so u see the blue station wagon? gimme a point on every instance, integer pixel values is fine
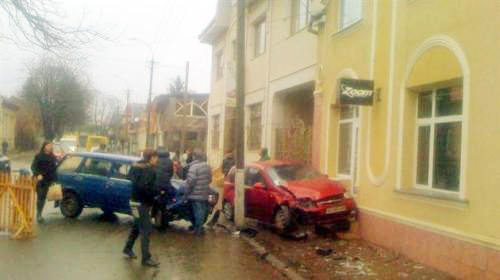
(95, 180)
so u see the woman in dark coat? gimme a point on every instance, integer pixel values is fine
(44, 169)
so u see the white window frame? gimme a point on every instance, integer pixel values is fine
(260, 38)
(295, 26)
(354, 120)
(341, 15)
(431, 122)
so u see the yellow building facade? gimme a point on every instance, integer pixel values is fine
(8, 122)
(280, 69)
(422, 160)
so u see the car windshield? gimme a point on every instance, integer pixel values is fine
(283, 173)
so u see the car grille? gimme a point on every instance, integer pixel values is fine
(331, 200)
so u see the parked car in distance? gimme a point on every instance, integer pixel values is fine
(59, 151)
(5, 164)
(285, 194)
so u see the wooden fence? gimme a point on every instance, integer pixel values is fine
(17, 205)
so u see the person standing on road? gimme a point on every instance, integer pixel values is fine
(264, 154)
(143, 177)
(198, 180)
(164, 173)
(44, 170)
(228, 162)
(5, 147)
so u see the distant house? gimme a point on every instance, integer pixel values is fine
(174, 114)
(8, 121)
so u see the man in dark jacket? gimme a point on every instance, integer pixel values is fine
(44, 168)
(164, 172)
(198, 180)
(143, 177)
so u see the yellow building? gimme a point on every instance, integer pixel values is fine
(422, 160)
(8, 122)
(279, 82)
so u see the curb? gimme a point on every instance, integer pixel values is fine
(266, 255)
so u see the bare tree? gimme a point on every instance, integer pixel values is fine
(103, 112)
(58, 95)
(42, 23)
(176, 86)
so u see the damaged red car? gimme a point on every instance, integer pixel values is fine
(285, 194)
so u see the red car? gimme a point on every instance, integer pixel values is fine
(287, 193)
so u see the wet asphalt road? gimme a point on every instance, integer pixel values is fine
(90, 248)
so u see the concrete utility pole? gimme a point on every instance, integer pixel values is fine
(183, 127)
(148, 126)
(240, 116)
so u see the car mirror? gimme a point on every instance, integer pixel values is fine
(259, 185)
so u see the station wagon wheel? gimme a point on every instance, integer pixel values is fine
(228, 211)
(71, 207)
(283, 220)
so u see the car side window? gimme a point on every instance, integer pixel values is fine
(70, 164)
(120, 171)
(99, 167)
(253, 176)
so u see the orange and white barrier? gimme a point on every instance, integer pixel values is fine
(17, 205)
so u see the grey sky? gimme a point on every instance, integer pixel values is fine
(171, 27)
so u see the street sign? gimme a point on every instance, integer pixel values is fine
(355, 92)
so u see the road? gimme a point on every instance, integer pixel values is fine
(90, 248)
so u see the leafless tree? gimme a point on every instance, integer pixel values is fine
(103, 112)
(59, 96)
(43, 23)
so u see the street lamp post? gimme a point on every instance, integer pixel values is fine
(127, 113)
(148, 128)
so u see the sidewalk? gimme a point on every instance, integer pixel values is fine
(350, 258)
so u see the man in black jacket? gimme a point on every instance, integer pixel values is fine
(165, 172)
(143, 177)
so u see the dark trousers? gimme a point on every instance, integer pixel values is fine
(143, 226)
(42, 188)
(200, 213)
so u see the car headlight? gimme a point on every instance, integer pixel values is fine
(347, 195)
(306, 203)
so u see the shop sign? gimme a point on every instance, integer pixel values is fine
(355, 92)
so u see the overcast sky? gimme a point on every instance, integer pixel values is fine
(170, 27)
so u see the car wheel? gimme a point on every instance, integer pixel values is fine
(228, 210)
(283, 220)
(71, 206)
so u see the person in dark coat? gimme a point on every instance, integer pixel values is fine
(164, 171)
(144, 190)
(44, 167)
(228, 162)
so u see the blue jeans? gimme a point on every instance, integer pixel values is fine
(200, 214)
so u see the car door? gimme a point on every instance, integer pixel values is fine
(119, 187)
(257, 199)
(95, 172)
(67, 173)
